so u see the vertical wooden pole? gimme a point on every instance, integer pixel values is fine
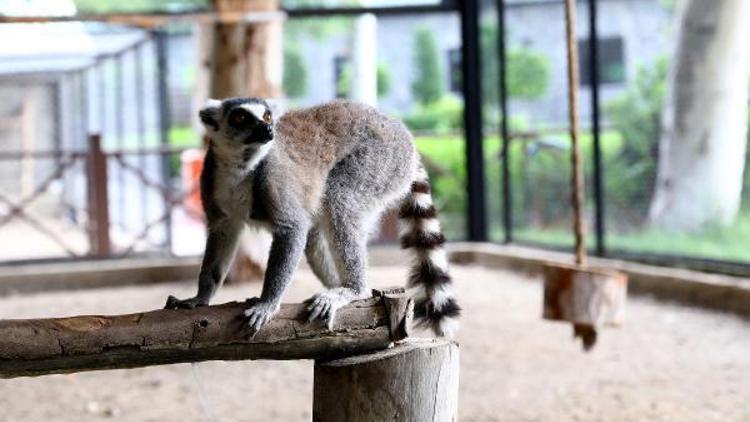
(243, 59)
(98, 199)
(413, 381)
(579, 229)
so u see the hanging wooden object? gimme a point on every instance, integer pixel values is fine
(590, 298)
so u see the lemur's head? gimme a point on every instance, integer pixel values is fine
(238, 122)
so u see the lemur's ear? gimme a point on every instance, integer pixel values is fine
(209, 114)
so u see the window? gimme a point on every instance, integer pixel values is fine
(611, 61)
(339, 66)
(454, 70)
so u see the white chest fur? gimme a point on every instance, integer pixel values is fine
(233, 181)
(233, 192)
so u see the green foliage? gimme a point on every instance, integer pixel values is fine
(527, 73)
(344, 84)
(714, 242)
(295, 72)
(441, 116)
(105, 6)
(746, 178)
(636, 114)
(428, 81)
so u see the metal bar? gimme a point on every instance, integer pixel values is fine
(504, 131)
(85, 109)
(690, 262)
(305, 12)
(598, 188)
(102, 101)
(164, 123)
(477, 217)
(36, 224)
(18, 208)
(120, 130)
(17, 155)
(21, 155)
(140, 110)
(155, 19)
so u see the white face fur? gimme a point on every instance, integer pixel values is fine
(258, 110)
(241, 129)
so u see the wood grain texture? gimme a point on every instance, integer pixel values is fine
(81, 343)
(413, 381)
(587, 296)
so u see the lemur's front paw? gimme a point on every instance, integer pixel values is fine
(259, 313)
(174, 303)
(325, 304)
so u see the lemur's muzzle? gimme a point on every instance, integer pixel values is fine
(261, 134)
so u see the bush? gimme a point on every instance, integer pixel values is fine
(344, 84)
(441, 116)
(295, 73)
(636, 114)
(746, 178)
(428, 82)
(527, 73)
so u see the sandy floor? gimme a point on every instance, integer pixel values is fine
(668, 363)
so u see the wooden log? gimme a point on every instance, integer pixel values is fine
(413, 381)
(81, 343)
(590, 298)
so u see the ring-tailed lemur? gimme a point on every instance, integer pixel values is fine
(319, 178)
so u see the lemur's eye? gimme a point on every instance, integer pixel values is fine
(267, 117)
(239, 118)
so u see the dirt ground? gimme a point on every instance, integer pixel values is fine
(668, 363)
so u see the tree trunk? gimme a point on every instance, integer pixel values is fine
(414, 381)
(242, 59)
(704, 121)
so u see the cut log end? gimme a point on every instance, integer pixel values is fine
(413, 381)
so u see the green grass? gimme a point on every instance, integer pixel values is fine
(183, 136)
(726, 243)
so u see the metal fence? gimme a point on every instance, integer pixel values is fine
(506, 200)
(106, 177)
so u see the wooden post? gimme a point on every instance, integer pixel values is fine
(413, 381)
(242, 58)
(83, 343)
(98, 198)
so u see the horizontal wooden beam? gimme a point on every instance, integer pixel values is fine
(154, 19)
(60, 345)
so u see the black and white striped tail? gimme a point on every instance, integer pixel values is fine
(435, 307)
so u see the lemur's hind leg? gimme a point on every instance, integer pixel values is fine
(349, 247)
(319, 256)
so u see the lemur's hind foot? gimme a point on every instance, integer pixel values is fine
(325, 304)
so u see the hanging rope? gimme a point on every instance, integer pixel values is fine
(576, 170)
(208, 415)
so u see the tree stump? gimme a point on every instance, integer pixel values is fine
(589, 298)
(413, 381)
